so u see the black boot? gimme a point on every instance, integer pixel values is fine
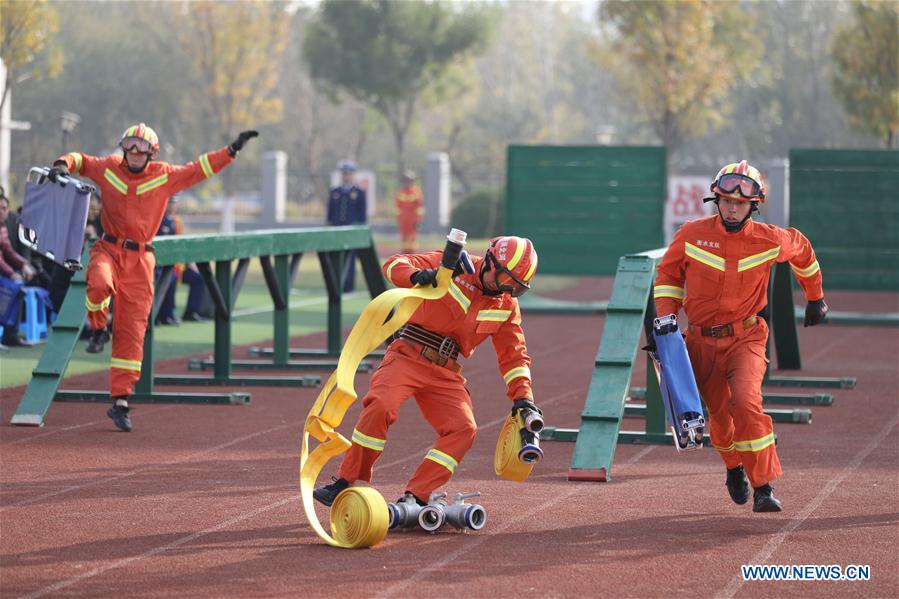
(120, 417)
(98, 339)
(328, 493)
(764, 500)
(737, 485)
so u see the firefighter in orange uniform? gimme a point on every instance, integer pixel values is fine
(718, 268)
(422, 361)
(410, 209)
(136, 191)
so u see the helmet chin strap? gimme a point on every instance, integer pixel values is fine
(485, 266)
(735, 227)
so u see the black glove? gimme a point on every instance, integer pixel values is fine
(58, 170)
(237, 145)
(815, 312)
(464, 264)
(530, 414)
(427, 276)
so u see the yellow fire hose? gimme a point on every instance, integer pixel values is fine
(359, 515)
(505, 459)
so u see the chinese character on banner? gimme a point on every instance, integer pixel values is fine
(685, 202)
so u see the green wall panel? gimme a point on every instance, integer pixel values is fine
(847, 203)
(585, 206)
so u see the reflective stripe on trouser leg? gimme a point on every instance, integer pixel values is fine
(134, 298)
(753, 429)
(446, 405)
(100, 283)
(387, 392)
(708, 367)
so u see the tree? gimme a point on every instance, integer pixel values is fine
(679, 60)
(236, 49)
(25, 29)
(865, 69)
(387, 54)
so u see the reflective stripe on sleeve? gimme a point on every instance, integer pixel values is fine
(92, 307)
(807, 271)
(494, 315)
(392, 264)
(668, 291)
(206, 166)
(517, 372)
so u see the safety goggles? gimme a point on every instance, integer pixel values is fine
(747, 187)
(506, 282)
(136, 144)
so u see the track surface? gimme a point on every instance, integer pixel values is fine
(203, 501)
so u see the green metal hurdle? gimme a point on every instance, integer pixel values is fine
(224, 284)
(629, 313)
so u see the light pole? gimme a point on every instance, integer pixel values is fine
(68, 122)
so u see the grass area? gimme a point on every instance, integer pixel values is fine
(252, 324)
(252, 317)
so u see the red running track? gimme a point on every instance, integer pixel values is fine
(203, 501)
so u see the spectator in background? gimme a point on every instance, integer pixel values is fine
(94, 228)
(171, 225)
(347, 206)
(410, 209)
(14, 267)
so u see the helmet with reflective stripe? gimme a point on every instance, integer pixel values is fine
(740, 181)
(142, 137)
(513, 256)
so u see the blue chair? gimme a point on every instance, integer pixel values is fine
(34, 325)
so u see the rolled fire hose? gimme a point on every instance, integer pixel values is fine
(359, 515)
(505, 459)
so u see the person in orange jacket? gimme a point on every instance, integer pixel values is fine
(718, 268)
(410, 210)
(422, 361)
(136, 190)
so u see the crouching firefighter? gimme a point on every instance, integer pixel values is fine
(718, 268)
(136, 190)
(422, 361)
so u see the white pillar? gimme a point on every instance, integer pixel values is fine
(437, 193)
(776, 209)
(274, 187)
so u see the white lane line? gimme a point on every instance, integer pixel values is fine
(117, 477)
(400, 589)
(773, 543)
(64, 429)
(298, 304)
(157, 550)
(178, 542)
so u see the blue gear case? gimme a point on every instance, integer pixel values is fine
(56, 233)
(680, 395)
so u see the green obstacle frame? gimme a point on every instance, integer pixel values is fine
(224, 284)
(629, 313)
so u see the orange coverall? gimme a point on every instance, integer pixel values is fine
(469, 317)
(409, 212)
(726, 277)
(133, 207)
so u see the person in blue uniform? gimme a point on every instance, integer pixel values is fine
(347, 206)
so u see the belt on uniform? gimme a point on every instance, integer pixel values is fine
(435, 348)
(727, 330)
(127, 243)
